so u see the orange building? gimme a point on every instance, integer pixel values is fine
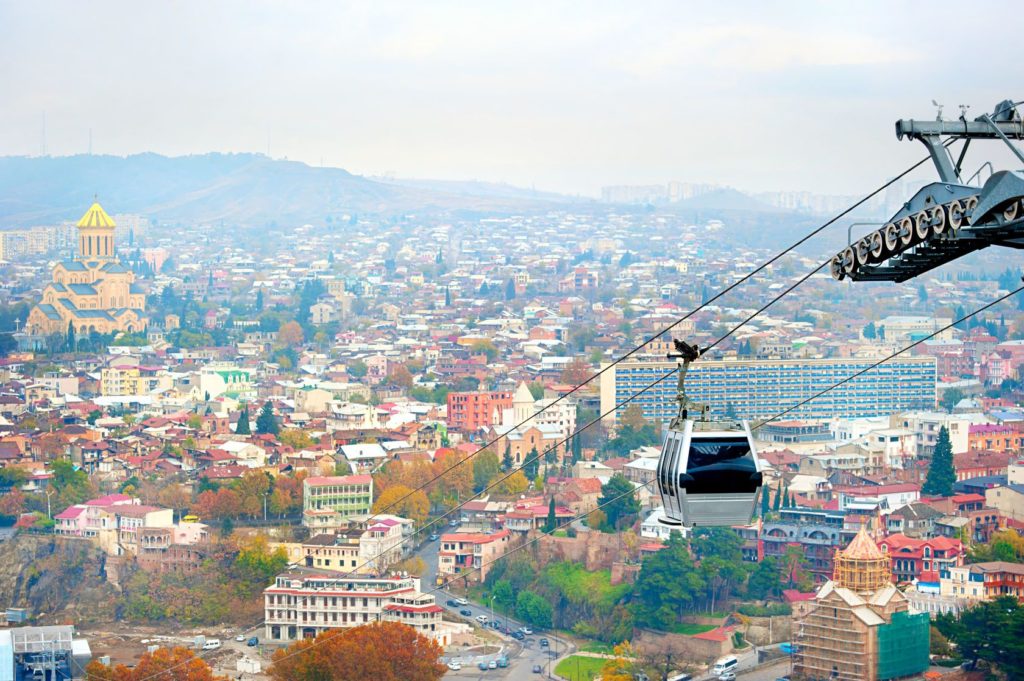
(470, 412)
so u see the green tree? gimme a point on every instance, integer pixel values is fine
(506, 460)
(764, 581)
(941, 474)
(765, 501)
(510, 290)
(667, 586)
(71, 346)
(259, 299)
(552, 521)
(266, 422)
(950, 398)
(618, 501)
(778, 498)
(989, 631)
(485, 467)
(534, 610)
(531, 464)
(504, 595)
(242, 427)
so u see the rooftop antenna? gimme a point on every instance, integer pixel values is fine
(938, 114)
(963, 111)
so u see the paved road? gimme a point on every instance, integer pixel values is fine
(523, 656)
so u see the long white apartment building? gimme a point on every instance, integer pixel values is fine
(302, 603)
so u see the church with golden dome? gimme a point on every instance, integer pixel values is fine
(93, 292)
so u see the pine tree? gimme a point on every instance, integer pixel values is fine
(506, 459)
(765, 501)
(266, 422)
(510, 290)
(941, 474)
(552, 522)
(447, 296)
(259, 300)
(71, 337)
(531, 464)
(242, 428)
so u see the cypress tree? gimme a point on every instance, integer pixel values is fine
(765, 501)
(577, 448)
(71, 337)
(510, 290)
(778, 498)
(447, 296)
(552, 522)
(506, 459)
(242, 427)
(941, 474)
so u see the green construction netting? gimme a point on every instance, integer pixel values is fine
(903, 645)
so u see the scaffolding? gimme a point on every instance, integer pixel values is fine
(862, 567)
(831, 646)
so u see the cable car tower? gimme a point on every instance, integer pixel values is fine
(949, 218)
(708, 472)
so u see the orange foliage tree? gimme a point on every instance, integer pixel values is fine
(165, 664)
(403, 501)
(290, 334)
(382, 651)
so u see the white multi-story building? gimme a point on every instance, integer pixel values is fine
(302, 603)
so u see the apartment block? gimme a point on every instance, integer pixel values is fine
(753, 389)
(334, 495)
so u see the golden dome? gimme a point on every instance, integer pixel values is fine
(96, 217)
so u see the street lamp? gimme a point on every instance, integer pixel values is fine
(49, 491)
(492, 607)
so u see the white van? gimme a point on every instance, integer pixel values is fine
(726, 664)
(211, 644)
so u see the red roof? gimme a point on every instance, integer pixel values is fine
(394, 607)
(719, 634)
(794, 596)
(340, 480)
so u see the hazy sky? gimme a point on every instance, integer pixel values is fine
(562, 96)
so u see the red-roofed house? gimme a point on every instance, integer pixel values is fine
(921, 559)
(470, 553)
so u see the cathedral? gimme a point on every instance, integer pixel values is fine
(92, 292)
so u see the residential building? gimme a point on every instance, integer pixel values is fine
(327, 496)
(761, 388)
(303, 603)
(470, 554)
(469, 412)
(1009, 499)
(983, 581)
(921, 559)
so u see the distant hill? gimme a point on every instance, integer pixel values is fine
(244, 189)
(725, 199)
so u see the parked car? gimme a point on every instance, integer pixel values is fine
(462, 601)
(435, 537)
(452, 603)
(482, 666)
(544, 643)
(482, 619)
(526, 630)
(211, 644)
(518, 635)
(253, 642)
(493, 664)
(727, 676)
(466, 612)
(454, 666)
(503, 662)
(537, 669)
(240, 638)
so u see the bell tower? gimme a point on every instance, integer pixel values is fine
(96, 235)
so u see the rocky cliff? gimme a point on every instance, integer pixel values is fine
(57, 579)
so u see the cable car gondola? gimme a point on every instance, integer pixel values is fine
(708, 473)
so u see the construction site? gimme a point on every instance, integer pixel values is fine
(859, 627)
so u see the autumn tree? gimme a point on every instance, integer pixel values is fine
(403, 501)
(400, 375)
(575, 372)
(296, 438)
(633, 417)
(382, 651)
(290, 334)
(512, 485)
(251, 488)
(165, 664)
(12, 503)
(623, 666)
(485, 467)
